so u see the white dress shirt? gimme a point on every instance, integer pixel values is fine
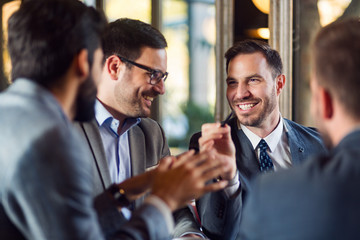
(277, 140)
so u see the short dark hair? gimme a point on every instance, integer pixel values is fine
(126, 37)
(336, 62)
(45, 36)
(272, 57)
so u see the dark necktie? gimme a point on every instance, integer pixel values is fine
(266, 164)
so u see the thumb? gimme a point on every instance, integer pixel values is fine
(165, 163)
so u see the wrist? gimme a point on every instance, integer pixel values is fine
(119, 196)
(234, 180)
(172, 205)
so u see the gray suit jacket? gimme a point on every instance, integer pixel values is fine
(147, 146)
(46, 181)
(318, 200)
(219, 214)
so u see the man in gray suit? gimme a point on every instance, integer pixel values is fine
(45, 179)
(256, 139)
(122, 139)
(320, 199)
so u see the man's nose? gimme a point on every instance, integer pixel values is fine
(242, 91)
(159, 87)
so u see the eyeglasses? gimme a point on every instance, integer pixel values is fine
(155, 75)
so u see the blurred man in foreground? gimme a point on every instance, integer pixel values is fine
(320, 199)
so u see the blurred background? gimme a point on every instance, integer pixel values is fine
(198, 33)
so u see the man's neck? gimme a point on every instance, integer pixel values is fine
(116, 114)
(267, 126)
(341, 125)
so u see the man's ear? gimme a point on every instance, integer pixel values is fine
(326, 103)
(113, 66)
(83, 67)
(280, 83)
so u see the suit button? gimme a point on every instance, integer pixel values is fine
(301, 149)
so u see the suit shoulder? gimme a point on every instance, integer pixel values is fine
(150, 125)
(303, 130)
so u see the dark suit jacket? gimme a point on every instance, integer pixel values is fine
(219, 222)
(46, 181)
(318, 200)
(147, 146)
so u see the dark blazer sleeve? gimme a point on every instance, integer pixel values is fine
(218, 213)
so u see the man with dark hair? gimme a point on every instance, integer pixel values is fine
(319, 200)
(122, 139)
(257, 139)
(45, 179)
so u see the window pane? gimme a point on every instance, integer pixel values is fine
(189, 27)
(115, 9)
(7, 10)
(310, 16)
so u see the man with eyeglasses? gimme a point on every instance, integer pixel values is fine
(123, 141)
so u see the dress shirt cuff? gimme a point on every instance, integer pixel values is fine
(164, 209)
(195, 233)
(233, 186)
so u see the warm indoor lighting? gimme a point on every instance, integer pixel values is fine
(262, 5)
(7, 10)
(263, 33)
(329, 11)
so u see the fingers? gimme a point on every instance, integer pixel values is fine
(212, 131)
(182, 158)
(166, 163)
(216, 186)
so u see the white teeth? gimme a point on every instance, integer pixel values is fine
(149, 98)
(246, 106)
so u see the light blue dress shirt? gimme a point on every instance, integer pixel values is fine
(116, 145)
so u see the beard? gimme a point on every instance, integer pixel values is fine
(85, 101)
(251, 120)
(130, 98)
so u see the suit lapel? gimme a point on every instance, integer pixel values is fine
(297, 145)
(137, 151)
(137, 155)
(92, 134)
(246, 160)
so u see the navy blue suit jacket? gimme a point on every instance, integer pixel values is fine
(318, 200)
(220, 216)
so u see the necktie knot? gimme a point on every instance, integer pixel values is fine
(263, 145)
(265, 160)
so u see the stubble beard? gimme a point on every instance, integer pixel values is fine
(250, 120)
(85, 101)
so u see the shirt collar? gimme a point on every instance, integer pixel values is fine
(272, 139)
(101, 114)
(103, 117)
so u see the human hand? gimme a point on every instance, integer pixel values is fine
(178, 180)
(217, 140)
(137, 186)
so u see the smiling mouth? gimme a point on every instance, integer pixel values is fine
(149, 98)
(246, 106)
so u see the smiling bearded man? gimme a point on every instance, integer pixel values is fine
(123, 141)
(261, 140)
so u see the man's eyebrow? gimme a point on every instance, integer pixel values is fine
(229, 79)
(254, 76)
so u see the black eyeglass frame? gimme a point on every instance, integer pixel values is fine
(153, 78)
